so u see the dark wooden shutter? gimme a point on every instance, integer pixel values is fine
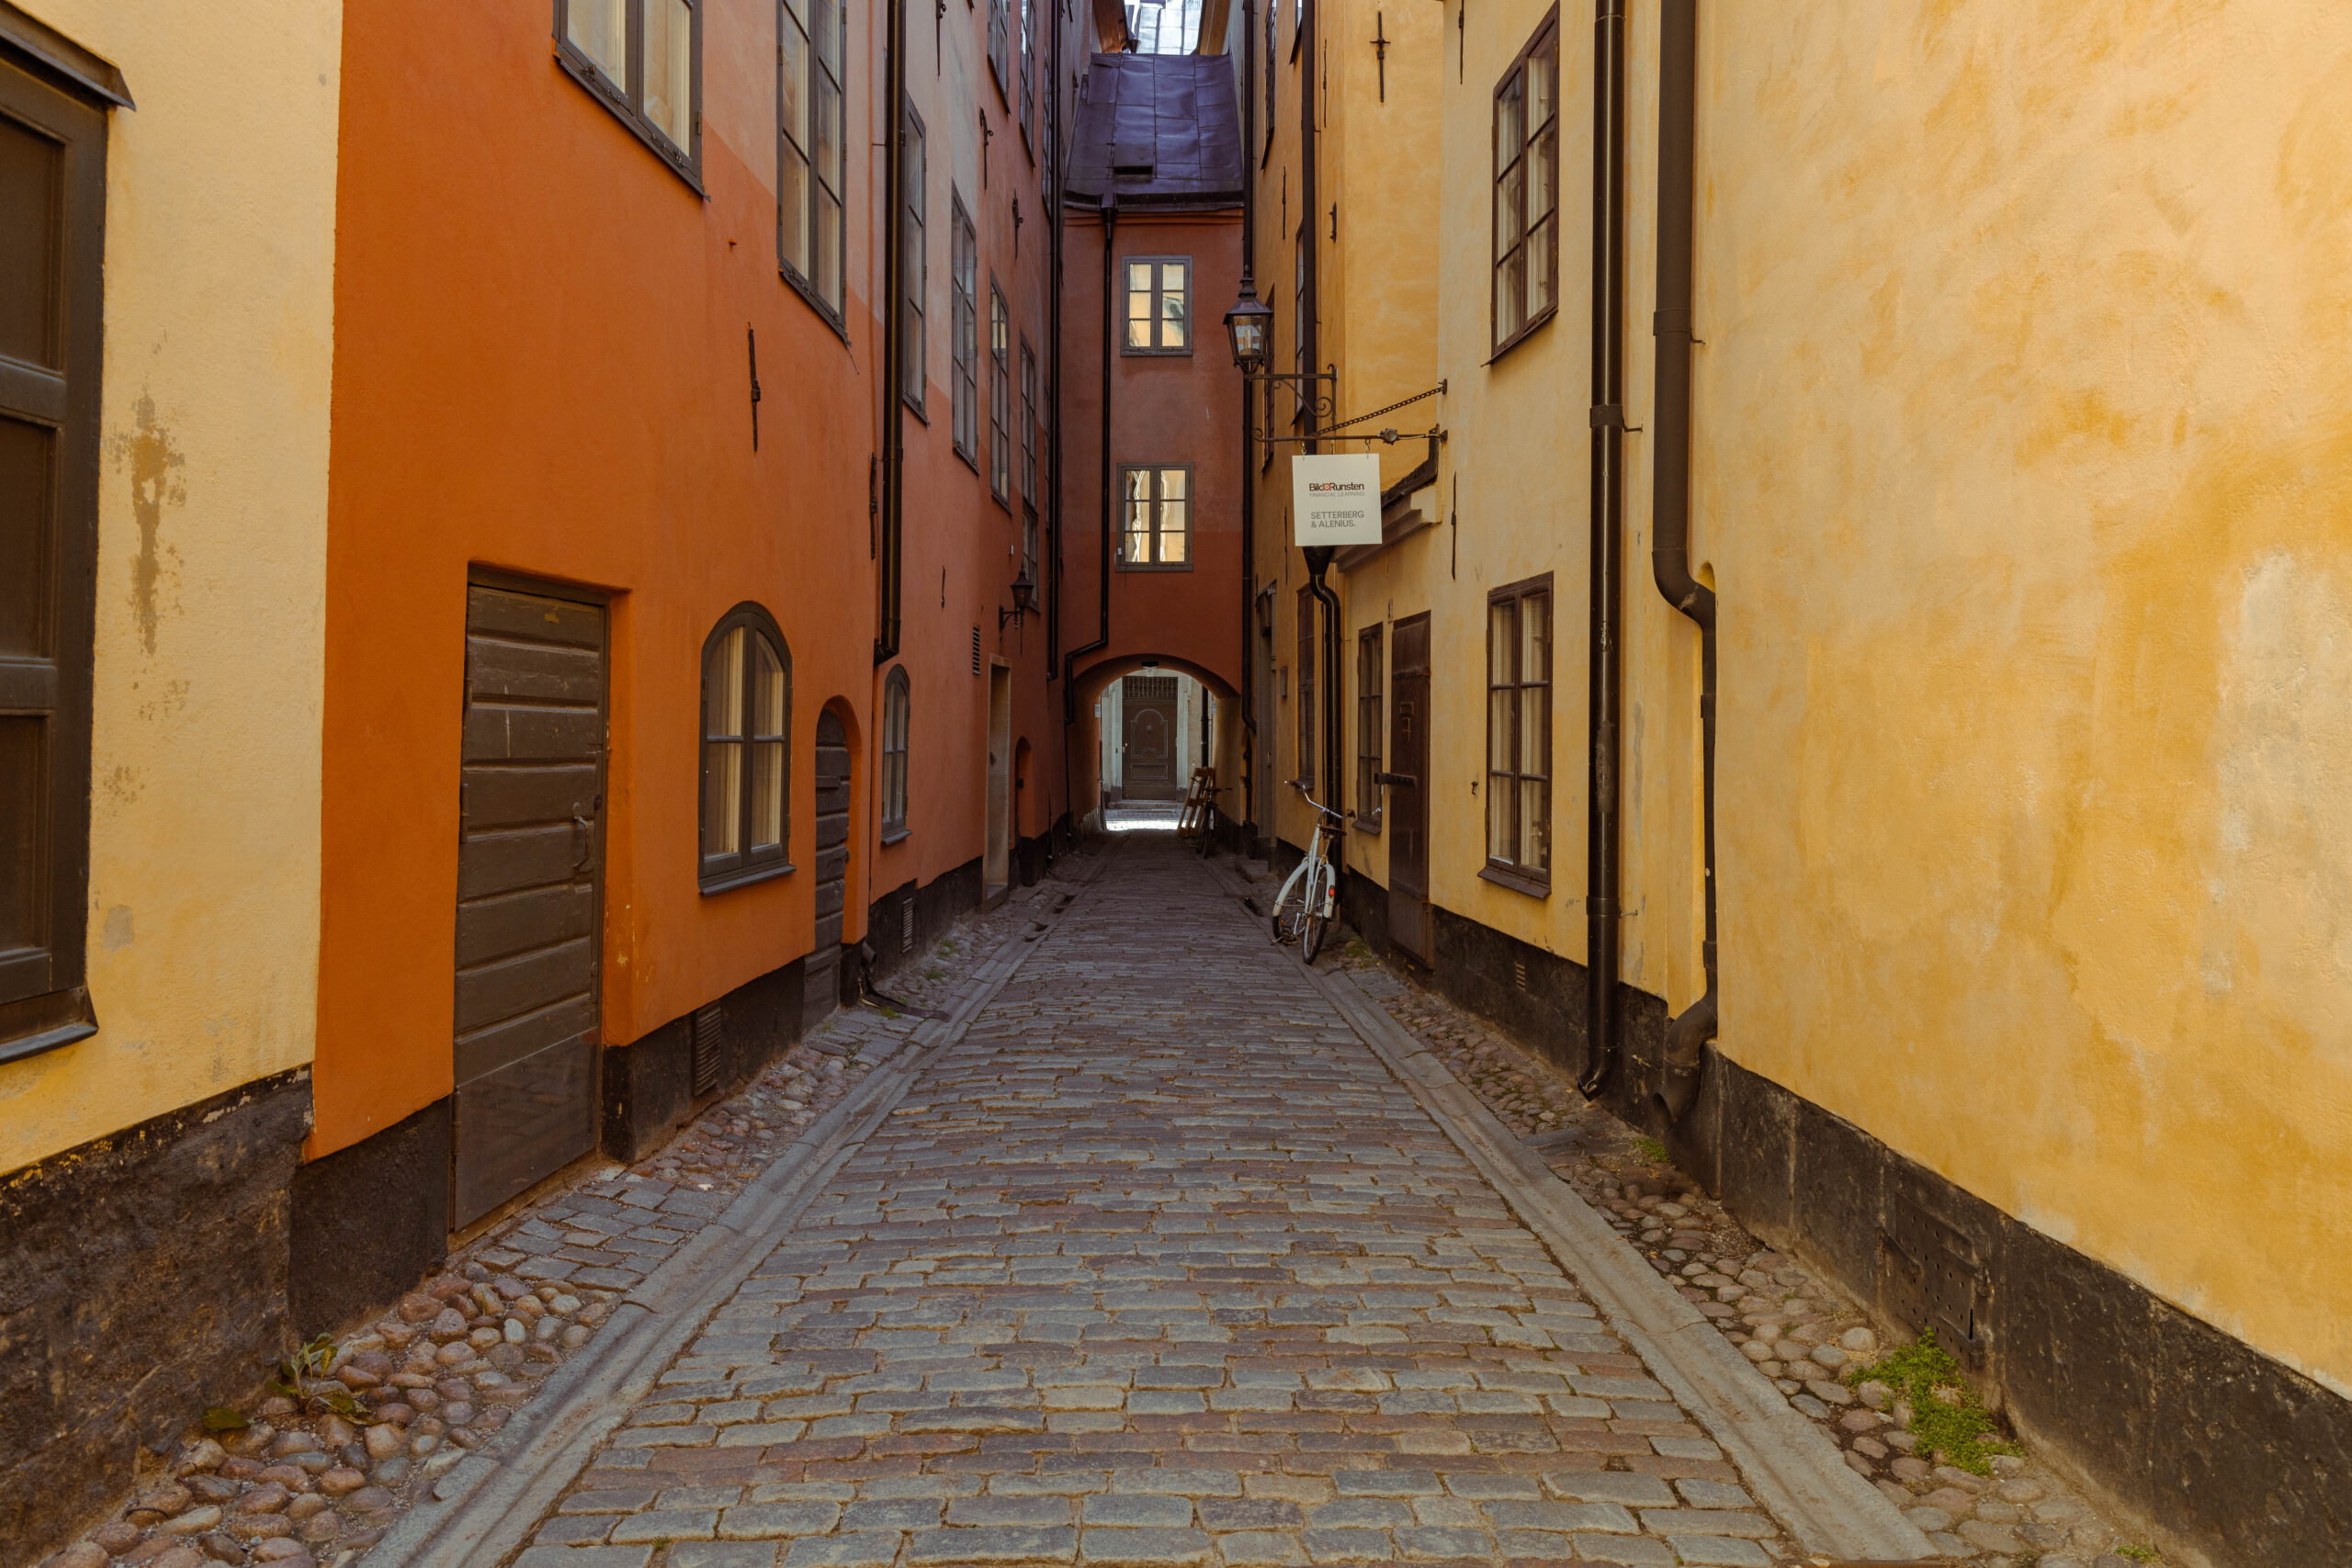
(52, 214)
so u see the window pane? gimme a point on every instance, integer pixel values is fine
(1140, 305)
(722, 816)
(793, 237)
(1534, 824)
(669, 68)
(1535, 637)
(1135, 541)
(1535, 731)
(1510, 294)
(1171, 483)
(1502, 643)
(829, 249)
(1543, 84)
(1498, 730)
(599, 30)
(1510, 130)
(828, 37)
(792, 108)
(1543, 176)
(1501, 816)
(767, 689)
(32, 180)
(723, 687)
(767, 795)
(1535, 268)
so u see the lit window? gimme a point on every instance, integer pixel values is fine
(1156, 530)
(1159, 312)
(747, 714)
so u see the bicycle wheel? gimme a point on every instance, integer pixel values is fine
(1316, 924)
(1208, 829)
(1289, 917)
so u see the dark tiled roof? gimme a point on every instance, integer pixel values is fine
(1159, 130)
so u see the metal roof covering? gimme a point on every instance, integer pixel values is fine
(1157, 131)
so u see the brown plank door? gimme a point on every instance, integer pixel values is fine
(1148, 768)
(530, 863)
(825, 979)
(1408, 809)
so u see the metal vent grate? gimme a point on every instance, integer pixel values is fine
(906, 926)
(976, 650)
(706, 1048)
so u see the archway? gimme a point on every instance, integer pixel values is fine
(1146, 723)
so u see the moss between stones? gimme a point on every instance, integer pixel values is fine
(1961, 1429)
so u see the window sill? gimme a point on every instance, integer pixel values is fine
(1003, 499)
(1155, 566)
(918, 407)
(1526, 330)
(1518, 881)
(970, 460)
(744, 878)
(896, 836)
(1364, 823)
(37, 1025)
(816, 301)
(581, 69)
(1127, 353)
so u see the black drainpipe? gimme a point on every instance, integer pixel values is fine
(1055, 153)
(1677, 116)
(1110, 349)
(1608, 505)
(1245, 799)
(1318, 558)
(894, 443)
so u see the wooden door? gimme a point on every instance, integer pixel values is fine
(821, 988)
(530, 859)
(1149, 759)
(1408, 809)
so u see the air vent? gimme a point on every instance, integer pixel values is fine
(906, 926)
(1519, 973)
(976, 650)
(1131, 171)
(706, 1048)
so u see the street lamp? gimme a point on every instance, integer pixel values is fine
(1024, 599)
(1250, 326)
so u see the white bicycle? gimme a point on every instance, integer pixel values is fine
(1303, 909)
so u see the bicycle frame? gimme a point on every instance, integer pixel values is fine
(1326, 828)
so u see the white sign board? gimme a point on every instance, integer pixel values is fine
(1335, 499)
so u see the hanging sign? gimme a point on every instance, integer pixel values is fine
(1335, 498)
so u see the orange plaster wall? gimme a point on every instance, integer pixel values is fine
(541, 367)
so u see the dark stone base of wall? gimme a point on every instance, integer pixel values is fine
(144, 1278)
(368, 1221)
(2220, 1449)
(909, 919)
(648, 1084)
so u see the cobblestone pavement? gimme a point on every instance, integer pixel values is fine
(1157, 1265)
(1797, 1329)
(317, 1473)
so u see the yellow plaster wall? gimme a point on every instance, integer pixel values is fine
(2024, 436)
(220, 250)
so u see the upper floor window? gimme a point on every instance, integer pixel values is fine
(809, 151)
(643, 61)
(1000, 396)
(914, 266)
(1159, 305)
(52, 216)
(1526, 193)
(1029, 9)
(1001, 46)
(895, 702)
(1157, 528)
(1029, 425)
(746, 746)
(964, 380)
(1518, 733)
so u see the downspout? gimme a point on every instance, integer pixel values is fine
(1245, 798)
(894, 443)
(1102, 632)
(1608, 505)
(1686, 1036)
(1054, 170)
(1309, 328)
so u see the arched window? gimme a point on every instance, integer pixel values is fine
(894, 754)
(746, 748)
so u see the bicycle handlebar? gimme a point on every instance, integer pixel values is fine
(1310, 800)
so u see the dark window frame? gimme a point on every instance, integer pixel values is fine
(1372, 722)
(1029, 441)
(834, 312)
(962, 330)
(1516, 872)
(1028, 115)
(1156, 316)
(914, 267)
(1546, 32)
(1000, 395)
(1000, 51)
(60, 95)
(626, 100)
(1303, 690)
(1158, 501)
(745, 864)
(897, 704)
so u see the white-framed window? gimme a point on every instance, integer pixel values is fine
(1156, 524)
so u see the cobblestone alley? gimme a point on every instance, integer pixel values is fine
(1159, 1264)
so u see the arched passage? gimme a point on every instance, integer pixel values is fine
(1145, 723)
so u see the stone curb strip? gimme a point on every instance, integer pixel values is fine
(483, 1510)
(1796, 1471)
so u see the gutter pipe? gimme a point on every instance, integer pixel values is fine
(1604, 661)
(1687, 1035)
(1102, 633)
(1245, 798)
(894, 443)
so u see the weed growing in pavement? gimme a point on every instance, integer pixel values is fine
(1945, 1413)
(1651, 1150)
(2137, 1553)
